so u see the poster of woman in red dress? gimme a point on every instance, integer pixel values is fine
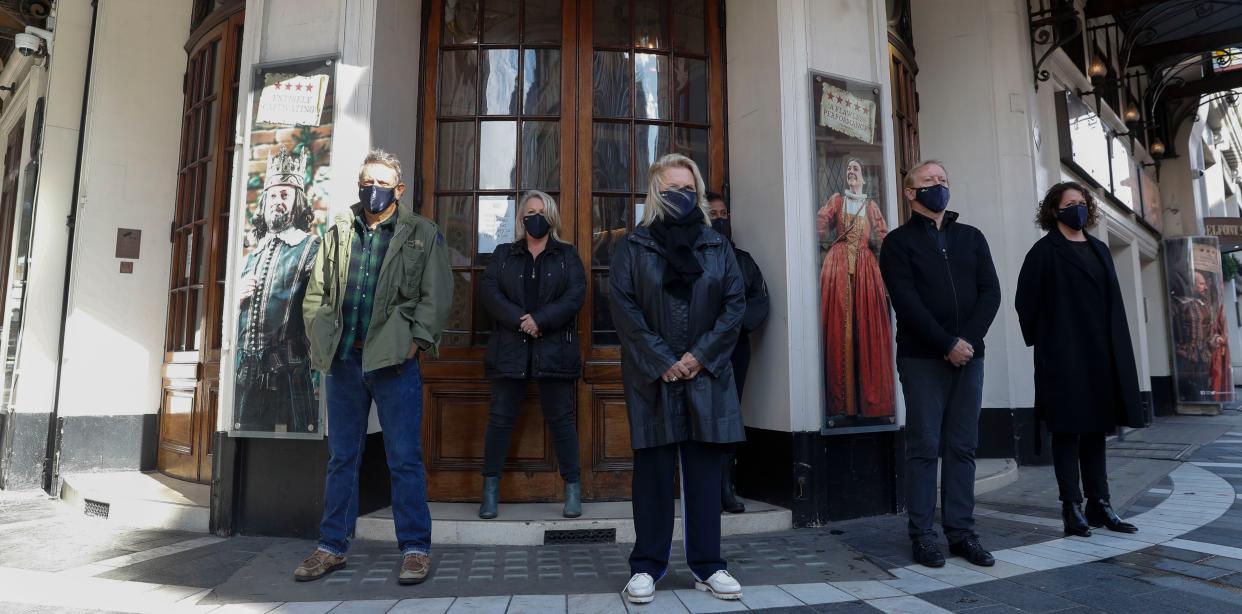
(854, 311)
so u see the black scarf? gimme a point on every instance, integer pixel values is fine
(677, 237)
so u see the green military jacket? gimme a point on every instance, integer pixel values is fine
(412, 296)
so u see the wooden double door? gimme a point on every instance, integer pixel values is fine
(577, 99)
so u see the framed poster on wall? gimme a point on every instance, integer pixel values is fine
(850, 167)
(1202, 371)
(275, 391)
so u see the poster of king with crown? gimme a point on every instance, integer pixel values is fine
(275, 391)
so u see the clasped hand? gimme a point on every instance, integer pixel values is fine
(686, 368)
(527, 325)
(961, 353)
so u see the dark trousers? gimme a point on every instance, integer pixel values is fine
(653, 494)
(1072, 452)
(942, 423)
(556, 398)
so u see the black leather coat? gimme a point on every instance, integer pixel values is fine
(656, 329)
(562, 290)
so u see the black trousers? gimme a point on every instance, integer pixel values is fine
(653, 494)
(1072, 452)
(556, 398)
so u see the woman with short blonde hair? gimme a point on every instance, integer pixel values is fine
(677, 299)
(533, 288)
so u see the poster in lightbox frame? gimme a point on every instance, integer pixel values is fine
(849, 221)
(1199, 330)
(276, 393)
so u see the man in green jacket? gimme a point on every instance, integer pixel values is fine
(379, 296)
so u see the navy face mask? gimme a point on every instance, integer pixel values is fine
(685, 202)
(721, 225)
(376, 198)
(935, 197)
(536, 225)
(1074, 216)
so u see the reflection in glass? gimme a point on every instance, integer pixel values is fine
(497, 155)
(692, 143)
(651, 86)
(459, 74)
(688, 27)
(543, 21)
(500, 76)
(651, 24)
(612, 82)
(610, 160)
(602, 330)
(453, 217)
(541, 154)
(459, 313)
(650, 142)
(461, 22)
(607, 227)
(500, 21)
(457, 156)
(541, 82)
(612, 23)
(690, 90)
(496, 219)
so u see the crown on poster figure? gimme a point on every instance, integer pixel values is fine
(286, 168)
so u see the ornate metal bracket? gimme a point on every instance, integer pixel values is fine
(1054, 23)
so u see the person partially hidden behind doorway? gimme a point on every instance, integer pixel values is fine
(756, 312)
(379, 297)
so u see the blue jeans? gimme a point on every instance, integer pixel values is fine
(942, 421)
(398, 395)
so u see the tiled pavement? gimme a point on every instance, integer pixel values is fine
(1187, 558)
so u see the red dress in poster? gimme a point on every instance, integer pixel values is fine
(854, 308)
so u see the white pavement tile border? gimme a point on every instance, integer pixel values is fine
(1197, 498)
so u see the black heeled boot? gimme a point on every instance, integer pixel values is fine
(728, 499)
(1075, 520)
(573, 500)
(1100, 514)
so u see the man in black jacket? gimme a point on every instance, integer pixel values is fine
(756, 313)
(943, 286)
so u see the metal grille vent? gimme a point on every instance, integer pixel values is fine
(99, 509)
(580, 536)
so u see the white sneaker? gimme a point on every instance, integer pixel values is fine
(640, 589)
(721, 585)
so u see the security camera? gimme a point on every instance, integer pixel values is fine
(34, 41)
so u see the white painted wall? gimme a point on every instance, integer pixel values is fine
(116, 322)
(35, 386)
(976, 90)
(771, 46)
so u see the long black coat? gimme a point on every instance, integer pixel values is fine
(650, 323)
(562, 290)
(1085, 377)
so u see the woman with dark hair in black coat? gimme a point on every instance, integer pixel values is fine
(1086, 383)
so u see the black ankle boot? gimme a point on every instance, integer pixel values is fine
(1101, 514)
(728, 499)
(488, 508)
(1075, 521)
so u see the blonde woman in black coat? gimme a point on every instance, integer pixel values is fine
(1086, 383)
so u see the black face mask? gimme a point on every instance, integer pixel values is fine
(1074, 216)
(722, 226)
(934, 197)
(536, 225)
(685, 202)
(376, 198)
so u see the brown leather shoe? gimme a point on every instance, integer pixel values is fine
(317, 566)
(414, 569)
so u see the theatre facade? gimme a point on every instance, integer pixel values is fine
(137, 354)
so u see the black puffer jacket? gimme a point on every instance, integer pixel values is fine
(656, 329)
(562, 290)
